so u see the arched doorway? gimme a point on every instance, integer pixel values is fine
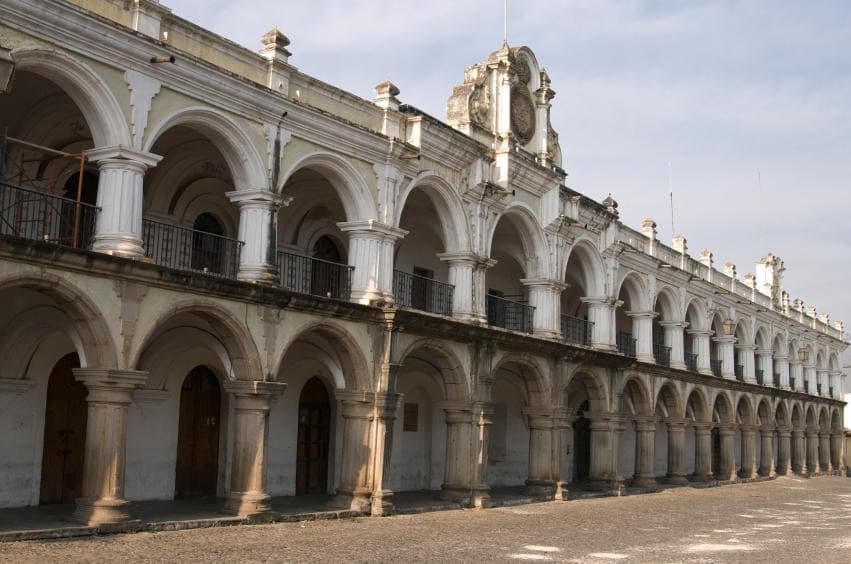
(716, 452)
(581, 444)
(198, 435)
(314, 423)
(64, 434)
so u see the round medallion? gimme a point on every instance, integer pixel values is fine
(522, 114)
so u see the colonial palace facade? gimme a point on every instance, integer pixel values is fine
(220, 276)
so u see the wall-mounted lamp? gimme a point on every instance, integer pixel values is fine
(803, 354)
(729, 327)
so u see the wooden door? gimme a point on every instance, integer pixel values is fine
(64, 434)
(198, 435)
(581, 449)
(314, 421)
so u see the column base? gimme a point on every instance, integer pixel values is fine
(481, 497)
(562, 492)
(540, 488)
(701, 477)
(546, 334)
(353, 501)
(367, 297)
(643, 482)
(381, 504)
(260, 274)
(250, 505)
(679, 365)
(455, 493)
(676, 479)
(119, 246)
(746, 474)
(94, 512)
(648, 358)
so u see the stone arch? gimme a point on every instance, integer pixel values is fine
(668, 397)
(744, 410)
(525, 370)
(811, 419)
(722, 409)
(697, 404)
(764, 413)
(667, 301)
(835, 421)
(586, 384)
(634, 285)
(449, 206)
(695, 314)
(334, 342)
(220, 330)
(347, 182)
(592, 271)
(637, 400)
(781, 415)
(230, 138)
(88, 91)
(89, 332)
(824, 419)
(833, 363)
(797, 418)
(532, 242)
(433, 354)
(761, 339)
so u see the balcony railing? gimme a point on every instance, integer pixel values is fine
(715, 366)
(691, 362)
(317, 277)
(806, 386)
(776, 380)
(190, 250)
(37, 216)
(818, 389)
(626, 344)
(830, 391)
(509, 314)
(422, 293)
(760, 375)
(662, 354)
(575, 330)
(740, 372)
(792, 383)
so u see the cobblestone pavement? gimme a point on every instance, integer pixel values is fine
(786, 520)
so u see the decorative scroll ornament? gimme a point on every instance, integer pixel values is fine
(522, 114)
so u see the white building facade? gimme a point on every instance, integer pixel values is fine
(223, 277)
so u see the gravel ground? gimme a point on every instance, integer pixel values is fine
(786, 520)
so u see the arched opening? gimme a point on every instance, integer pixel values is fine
(507, 297)
(629, 315)
(670, 449)
(583, 281)
(695, 331)
(508, 445)
(314, 433)
(581, 444)
(742, 348)
(799, 463)
(837, 435)
(585, 397)
(812, 442)
(716, 357)
(767, 441)
(64, 434)
(638, 438)
(780, 363)
(746, 447)
(723, 439)
(665, 323)
(199, 421)
(698, 461)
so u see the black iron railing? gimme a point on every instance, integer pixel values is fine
(830, 391)
(575, 330)
(662, 354)
(818, 389)
(715, 366)
(509, 314)
(626, 344)
(317, 277)
(740, 372)
(792, 383)
(776, 380)
(37, 216)
(760, 376)
(422, 293)
(190, 250)
(691, 362)
(806, 386)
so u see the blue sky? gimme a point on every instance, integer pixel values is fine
(728, 92)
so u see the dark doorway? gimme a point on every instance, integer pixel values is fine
(208, 250)
(64, 434)
(326, 278)
(314, 422)
(198, 435)
(420, 289)
(716, 452)
(581, 445)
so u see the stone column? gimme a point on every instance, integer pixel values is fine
(482, 422)
(645, 441)
(462, 267)
(700, 346)
(674, 334)
(561, 445)
(824, 452)
(540, 482)
(642, 329)
(602, 471)
(812, 452)
(458, 469)
(727, 355)
(258, 230)
(799, 459)
(358, 414)
(676, 452)
(796, 373)
(766, 364)
(110, 392)
(252, 402)
(781, 361)
(545, 297)
(748, 469)
(371, 247)
(822, 378)
(836, 452)
(702, 452)
(810, 378)
(386, 405)
(119, 223)
(746, 356)
(784, 452)
(727, 464)
(601, 312)
(766, 464)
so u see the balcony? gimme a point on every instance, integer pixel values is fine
(830, 392)
(691, 362)
(715, 366)
(419, 292)
(806, 386)
(316, 277)
(33, 215)
(740, 372)
(662, 354)
(760, 377)
(626, 344)
(189, 250)
(776, 380)
(577, 331)
(792, 383)
(818, 389)
(509, 314)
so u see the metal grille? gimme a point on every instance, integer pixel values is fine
(662, 354)
(575, 330)
(691, 362)
(792, 383)
(626, 344)
(760, 376)
(509, 314)
(317, 277)
(715, 366)
(37, 216)
(190, 250)
(740, 372)
(422, 293)
(776, 380)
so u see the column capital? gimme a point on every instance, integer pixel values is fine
(700, 332)
(538, 417)
(767, 429)
(676, 423)
(728, 339)
(702, 426)
(117, 153)
(642, 314)
(356, 405)
(673, 324)
(254, 394)
(747, 429)
(109, 385)
(601, 301)
(745, 347)
(557, 285)
(457, 412)
(258, 198)
(468, 258)
(644, 424)
(372, 229)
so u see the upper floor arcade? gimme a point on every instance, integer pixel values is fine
(235, 164)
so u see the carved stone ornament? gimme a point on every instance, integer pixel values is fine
(521, 68)
(522, 114)
(480, 104)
